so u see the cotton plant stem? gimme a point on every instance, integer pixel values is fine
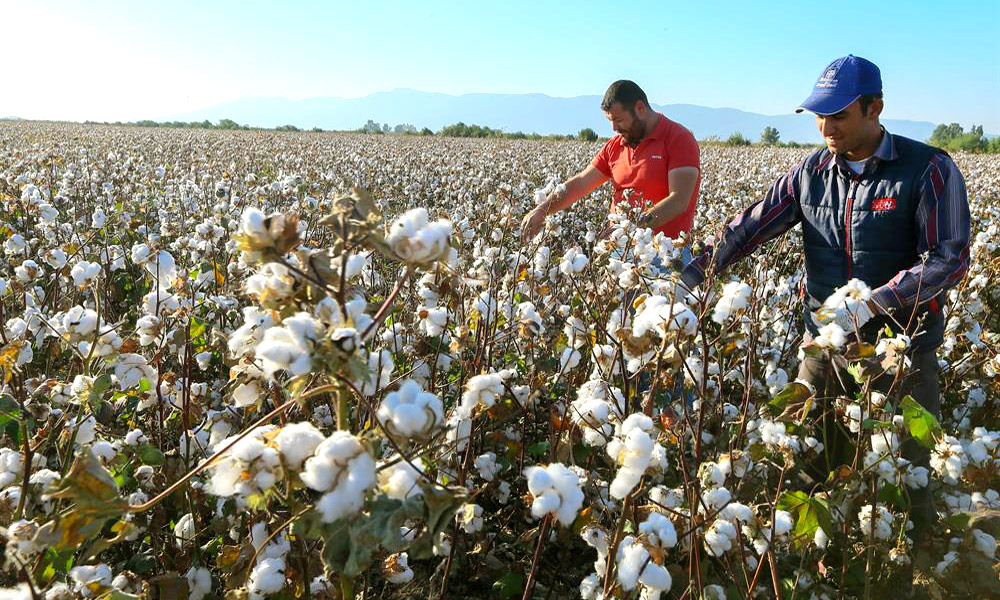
(543, 531)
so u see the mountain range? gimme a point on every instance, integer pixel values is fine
(530, 113)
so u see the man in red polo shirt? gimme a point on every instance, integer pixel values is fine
(653, 156)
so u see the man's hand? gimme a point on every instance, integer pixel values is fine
(533, 223)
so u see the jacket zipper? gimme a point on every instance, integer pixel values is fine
(847, 223)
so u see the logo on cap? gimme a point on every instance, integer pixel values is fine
(829, 79)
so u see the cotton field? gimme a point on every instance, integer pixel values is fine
(253, 365)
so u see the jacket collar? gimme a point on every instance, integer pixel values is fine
(886, 151)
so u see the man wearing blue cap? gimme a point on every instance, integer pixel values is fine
(887, 210)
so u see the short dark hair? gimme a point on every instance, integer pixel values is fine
(865, 100)
(624, 92)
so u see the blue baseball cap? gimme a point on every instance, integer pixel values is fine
(843, 81)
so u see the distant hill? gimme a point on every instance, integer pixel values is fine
(529, 113)
(11, 119)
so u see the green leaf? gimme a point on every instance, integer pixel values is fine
(922, 424)
(958, 521)
(145, 385)
(793, 393)
(811, 513)
(9, 410)
(102, 383)
(352, 544)
(875, 424)
(196, 328)
(893, 496)
(538, 448)
(510, 585)
(150, 455)
(792, 501)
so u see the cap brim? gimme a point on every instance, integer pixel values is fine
(826, 104)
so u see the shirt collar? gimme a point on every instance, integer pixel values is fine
(886, 151)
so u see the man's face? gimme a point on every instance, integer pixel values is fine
(846, 131)
(626, 123)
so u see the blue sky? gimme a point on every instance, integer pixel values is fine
(111, 60)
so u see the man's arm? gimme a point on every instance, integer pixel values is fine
(681, 181)
(943, 225)
(764, 220)
(577, 186)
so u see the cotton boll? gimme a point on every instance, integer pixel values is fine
(246, 394)
(635, 566)
(633, 452)
(396, 569)
(487, 466)
(399, 479)
(341, 467)
(735, 297)
(556, 491)
(414, 239)
(288, 347)
(410, 411)
(719, 537)
(985, 543)
(590, 588)
(831, 336)
(203, 359)
(782, 522)
(84, 273)
(267, 578)
(569, 360)
(297, 441)
(658, 530)
(481, 392)
(90, 580)
(875, 521)
(184, 530)
(470, 518)
(199, 583)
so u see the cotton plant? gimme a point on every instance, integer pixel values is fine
(445, 353)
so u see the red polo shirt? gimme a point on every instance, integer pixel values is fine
(645, 167)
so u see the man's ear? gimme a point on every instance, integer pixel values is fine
(875, 108)
(640, 109)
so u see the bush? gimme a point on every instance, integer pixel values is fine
(587, 134)
(737, 139)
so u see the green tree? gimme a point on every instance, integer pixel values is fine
(770, 136)
(954, 138)
(737, 139)
(587, 134)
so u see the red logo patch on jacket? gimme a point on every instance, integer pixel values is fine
(884, 204)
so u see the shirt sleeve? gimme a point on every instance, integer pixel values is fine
(944, 231)
(766, 219)
(682, 150)
(601, 162)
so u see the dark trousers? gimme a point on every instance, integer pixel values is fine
(921, 382)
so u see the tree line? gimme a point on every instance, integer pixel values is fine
(951, 137)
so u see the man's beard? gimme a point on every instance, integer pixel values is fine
(635, 134)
